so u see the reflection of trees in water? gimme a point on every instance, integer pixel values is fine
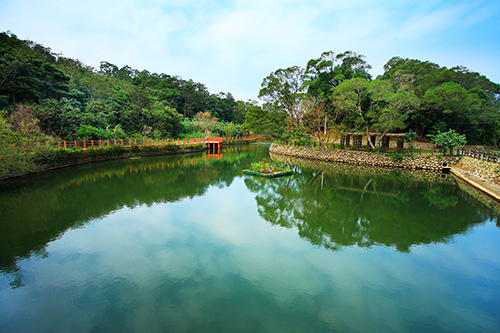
(439, 198)
(38, 210)
(334, 209)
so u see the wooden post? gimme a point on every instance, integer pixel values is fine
(84, 144)
(100, 142)
(107, 142)
(121, 142)
(58, 144)
(115, 142)
(130, 142)
(92, 143)
(75, 144)
(64, 143)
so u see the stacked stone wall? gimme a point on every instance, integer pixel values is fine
(487, 171)
(365, 158)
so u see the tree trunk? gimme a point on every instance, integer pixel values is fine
(368, 137)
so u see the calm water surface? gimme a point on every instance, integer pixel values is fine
(187, 244)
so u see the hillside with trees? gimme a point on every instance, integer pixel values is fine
(44, 95)
(335, 94)
(48, 97)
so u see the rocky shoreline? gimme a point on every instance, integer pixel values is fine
(365, 158)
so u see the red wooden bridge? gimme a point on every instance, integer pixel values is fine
(214, 143)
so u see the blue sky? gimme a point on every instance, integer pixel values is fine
(231, 45)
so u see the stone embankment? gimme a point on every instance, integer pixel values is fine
(364, 170)
(365, 158)
(483, 170)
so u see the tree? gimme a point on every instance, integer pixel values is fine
(28, 72)
(449, 140)
(330, 70)
(316, 119)
(351, 98)
(206, 122)
(451, 104)
(389, 109)
(284, 88)
(267, 120)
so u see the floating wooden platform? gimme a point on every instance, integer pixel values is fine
(274, 174)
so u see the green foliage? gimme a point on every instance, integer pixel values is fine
(15, 164)
(410, 136)
(396, 157)
(330, 70)
(411, 94)
(267, 120)
(74, 101)
(265, 166)
(284, 90)
(440, 199)
(88, 132)
(28, 72)
(50, 157)
(261, 166)
(449, 139)
(160, 148)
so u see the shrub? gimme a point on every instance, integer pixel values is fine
(396, 157)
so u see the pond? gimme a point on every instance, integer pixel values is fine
(187, 243)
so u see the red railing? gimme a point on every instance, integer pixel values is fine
(127, 143)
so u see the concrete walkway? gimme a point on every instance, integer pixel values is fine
(487, 188)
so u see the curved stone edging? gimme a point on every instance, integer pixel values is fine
(364, 158)
(364, 170)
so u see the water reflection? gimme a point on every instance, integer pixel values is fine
(177, 244)
(37, 210)
(337, 205)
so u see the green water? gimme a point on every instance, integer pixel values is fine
(188, 244)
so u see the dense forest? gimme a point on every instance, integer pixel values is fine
(335, 94)
(45, 96)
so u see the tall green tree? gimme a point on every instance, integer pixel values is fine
(351, 98)
(284, 88)
(268, 120)
(330, 70)
(389, 109)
